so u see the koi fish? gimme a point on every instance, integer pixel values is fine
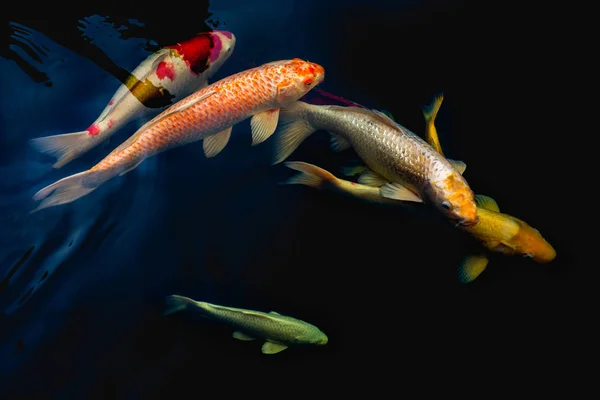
(208, 114)
(495, 231)
(278, 331)
(401, 164)
(162, 79)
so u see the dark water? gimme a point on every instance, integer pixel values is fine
(83, 284)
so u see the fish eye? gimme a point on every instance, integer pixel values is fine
(446, 205)
(308, 81)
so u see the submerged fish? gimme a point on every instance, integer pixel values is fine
(161, 80)
(399, 162)
(208, 114)
(495, 231)
(278, 331)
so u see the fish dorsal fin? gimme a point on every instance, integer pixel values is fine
(213, 144)
(396, 191)
(458, 165)
(371, 178)
(389, 114)
(471, 267)
(242, 336)
(338, 143)
(486, 202)
(274, 313)
(177, 107)
(385, 118)
(273, 348)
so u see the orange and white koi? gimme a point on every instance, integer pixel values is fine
(162, 79)
(208, 114)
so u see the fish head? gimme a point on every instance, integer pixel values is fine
(206, 52)
(223, 43)
(452, 195)
(529, 242)
(296, 78)
(322, 339)
(317, 337)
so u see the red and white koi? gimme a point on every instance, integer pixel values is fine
(162, 79)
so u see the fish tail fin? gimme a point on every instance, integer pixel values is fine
(430, 111)
(310, 175)
(175, 303)
(65, 147)
(292, 129)
(70, 188)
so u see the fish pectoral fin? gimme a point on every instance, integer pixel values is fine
(263, 124)
(242, 336)
(273, 348)
(458, 165)
(396, 191)
(130, 168)
(371, 178)
(486, 202)
(338, 143)
(471, 267)
(213, 144)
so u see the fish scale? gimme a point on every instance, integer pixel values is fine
(395, 153)
(256, 322)
(400, 163)
(212, 111)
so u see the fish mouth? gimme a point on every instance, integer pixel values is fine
(464, 222)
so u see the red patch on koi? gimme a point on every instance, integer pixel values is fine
(93, 130)
(165, 70)
(111, 123)
(110, 103)
(228, 35)
(195, 52)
